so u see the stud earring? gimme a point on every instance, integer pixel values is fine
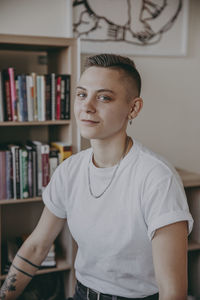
(130, 121)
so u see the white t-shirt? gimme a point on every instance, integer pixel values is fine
(114, 232)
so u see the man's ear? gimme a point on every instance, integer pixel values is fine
(136, 106)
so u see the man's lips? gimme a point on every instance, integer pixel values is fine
(89, 121)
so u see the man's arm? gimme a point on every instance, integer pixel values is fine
(170, 246)
(31, 255)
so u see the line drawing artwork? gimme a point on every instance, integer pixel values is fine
(134, 22)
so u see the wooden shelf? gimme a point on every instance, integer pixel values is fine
(192, 246)
(35, 123)
(63, 57)
(17, 201)
(189, 179)
(33, 43)
(61, 268)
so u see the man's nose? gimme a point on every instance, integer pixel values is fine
(89, 104)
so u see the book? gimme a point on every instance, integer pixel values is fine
(66, 106)
(37, 147)
(48, 106)
(9, 175)
(39, 98)
(1, 100)
(45, 165)
(14, 114)
(53, 160)
(53, 96)
(19, 116)
(63, 85)
(35, 109)
(22, 91)
(62, 98)
(7, 96)
(34, 97)
(2, 174)
(6, 190)
(43, 104)
(65, 150)
(30, 99)
(23, 160)
(15, 170)
(31, 167)
(58, 96)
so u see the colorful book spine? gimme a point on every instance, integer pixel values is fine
(23, 158)
(45, 165)
(13, 94)
(7, 96)
(65, 150)
(30, 100)
(35, 108)
(2, 175)
(19, 115)
(48, 97)
(39, 96)
(23, 97)
(34, 97)
(62, 99)
(67, 108)
(1, 100)
(53, 96)
(58, 97)
(30, 170)
(37, 146)
(43, 106)
(53, 160)
(15, 170)
(34, 174)
(9, 175)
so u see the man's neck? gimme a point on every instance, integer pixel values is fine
(108, 152)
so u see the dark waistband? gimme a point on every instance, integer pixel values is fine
(93, 295)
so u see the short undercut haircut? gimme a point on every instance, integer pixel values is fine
(117, 62)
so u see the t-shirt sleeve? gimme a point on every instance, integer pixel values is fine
(54, 194)
(165, 203)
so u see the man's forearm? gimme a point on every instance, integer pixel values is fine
(22, 270)
(13, 285)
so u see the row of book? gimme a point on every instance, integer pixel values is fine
(25, 170)
(34, 97)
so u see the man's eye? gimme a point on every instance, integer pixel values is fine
(81, 95)
(104, 98)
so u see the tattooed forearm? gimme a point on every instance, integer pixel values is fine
(8, 286)
(28, 261)
(23, 272)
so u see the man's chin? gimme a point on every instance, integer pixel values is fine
(88, 136)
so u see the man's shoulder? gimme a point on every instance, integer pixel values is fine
(154, 164)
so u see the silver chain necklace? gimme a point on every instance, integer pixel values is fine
(113, 175)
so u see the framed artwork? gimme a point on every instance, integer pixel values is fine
(131, 27)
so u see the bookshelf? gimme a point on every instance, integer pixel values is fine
(20, 216)
(191, 182)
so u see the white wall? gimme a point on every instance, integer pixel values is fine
(36, 17)
(169, 122)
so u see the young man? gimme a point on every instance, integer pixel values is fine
(125, 206)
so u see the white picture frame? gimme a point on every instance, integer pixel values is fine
(131, 27)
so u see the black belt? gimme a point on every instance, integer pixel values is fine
(93, 295)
